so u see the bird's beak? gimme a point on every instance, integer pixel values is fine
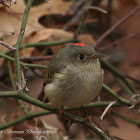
(95, 56)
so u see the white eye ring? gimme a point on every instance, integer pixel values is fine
(81, 56)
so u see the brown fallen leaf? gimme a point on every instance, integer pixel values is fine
(11, 20)
(22, 131)
(51, 34)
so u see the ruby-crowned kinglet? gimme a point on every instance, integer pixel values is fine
(74, 76)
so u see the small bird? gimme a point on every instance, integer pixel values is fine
(74, 76)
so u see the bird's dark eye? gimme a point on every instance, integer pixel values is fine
(81, 56)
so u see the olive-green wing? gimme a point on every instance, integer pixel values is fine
(53, 67)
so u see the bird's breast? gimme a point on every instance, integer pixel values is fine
(75, 86)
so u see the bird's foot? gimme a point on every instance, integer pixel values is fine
(89, 118)
(62, 111)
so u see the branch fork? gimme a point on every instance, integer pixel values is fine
(135, 103)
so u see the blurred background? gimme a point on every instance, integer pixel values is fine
(84, 21)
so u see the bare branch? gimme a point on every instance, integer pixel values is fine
(7, 46)
(122, 20)
(36, 58)
(107, 109)
(113, 44)
(97, 8)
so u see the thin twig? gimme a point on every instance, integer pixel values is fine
(20, 37)
(42, 105)
(97, 8)
(120, 99)
(52, 109)
(82, 22)
(122, 20)
(24, 81)
(125, 118)
(113, 44)
(12, 33)
(11, 76)
(25, 65)
(3, 118)
(124, 86)
(132, 78)
(135, 103)
(95, 104)
(7, 46)
(23, 84)
(38, 74)
(5, 86)
(74, 7)
(115, 72)
(108, 16)
(36, 58)
(107, 108)
(44, 44)
(77, 9)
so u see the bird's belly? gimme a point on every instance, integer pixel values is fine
(70, 99)
(76, 96)
(74, 90)
(84, 96)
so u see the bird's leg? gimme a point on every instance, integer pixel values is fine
(88, 117)
(62, 111)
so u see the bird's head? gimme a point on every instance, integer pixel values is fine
(81, 53)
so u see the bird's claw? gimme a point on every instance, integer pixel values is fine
(89, 118)
(62, 111)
